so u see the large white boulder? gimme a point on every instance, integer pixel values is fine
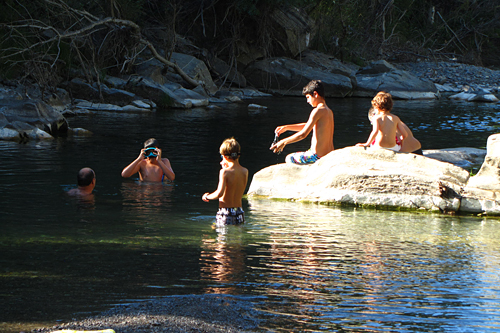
(373, 177)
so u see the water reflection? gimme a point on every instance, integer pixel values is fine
(222, 260)
(315, 268)
(147, 197)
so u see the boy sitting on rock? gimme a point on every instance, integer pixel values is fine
(385, 125)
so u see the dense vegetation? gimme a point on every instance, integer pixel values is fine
(351, 30)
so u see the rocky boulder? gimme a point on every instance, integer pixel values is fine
(287, 77)
(29, 119)
(473, 96)
(384, 179)
(293, 29)
(482, 193)
(372, 177)
(382, 76)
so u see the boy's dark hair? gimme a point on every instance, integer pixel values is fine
(230, 148)
(85, 176)
(151, 143)
(314, 86)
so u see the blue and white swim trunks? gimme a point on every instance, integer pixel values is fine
(302, 157)
(229, 216)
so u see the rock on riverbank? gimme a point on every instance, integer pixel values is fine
(176, 314)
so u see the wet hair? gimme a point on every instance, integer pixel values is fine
(230, 148)
(85, 176)
(151, 143)
(383, 101)
(314, 86)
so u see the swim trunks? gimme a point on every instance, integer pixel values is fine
(302, 157)
(395, 148)
(229, 216)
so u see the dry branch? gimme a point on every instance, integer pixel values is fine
(93, 24)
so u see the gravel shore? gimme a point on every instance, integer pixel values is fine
(193, 313)
(459, 76)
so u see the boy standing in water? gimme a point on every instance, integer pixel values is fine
(384, 125)
(320, 122)
(149, 164)
(232, 183)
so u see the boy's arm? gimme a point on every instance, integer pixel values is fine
(220, 188)
(372, 136)
(301, 133)
(290, 127)
(402, 130)
(164, 164)
(133, 167)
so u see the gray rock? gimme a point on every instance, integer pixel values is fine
(463, 157)
(158, 93)
(35, 114)
(293, 29)
(196, 69)
(228, 74)
(287, 77)
(480, 96)
(382, 76)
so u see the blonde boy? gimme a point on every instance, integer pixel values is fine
(385, 125)
(232, 184)
(149, 164)
(320, 122)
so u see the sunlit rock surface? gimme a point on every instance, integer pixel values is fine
(385, 179)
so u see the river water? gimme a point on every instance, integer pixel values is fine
(309, 267)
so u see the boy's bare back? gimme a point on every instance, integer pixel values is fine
(387, 127)
(234, 180)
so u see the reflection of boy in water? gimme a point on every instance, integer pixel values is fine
(86, 183)
(149, 164)
(232, 183)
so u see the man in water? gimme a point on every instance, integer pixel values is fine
(86, 183)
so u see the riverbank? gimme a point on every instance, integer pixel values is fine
(191, 313)
(460, 76)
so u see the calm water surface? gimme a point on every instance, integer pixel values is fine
(307, 267)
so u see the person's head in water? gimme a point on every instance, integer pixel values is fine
(230, 148)
(86, 182)
(86, 177)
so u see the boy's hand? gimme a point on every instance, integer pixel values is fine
(204, 197)
(158, 154)
(278, 147)
(141, 154)
(279, 130)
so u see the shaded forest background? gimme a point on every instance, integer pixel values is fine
(53, 36)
